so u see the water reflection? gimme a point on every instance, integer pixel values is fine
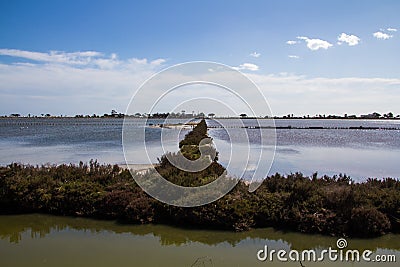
(13, 228)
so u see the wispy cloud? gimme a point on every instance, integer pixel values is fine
(291, 42)
(84, 59)
(61, 83)
(392, 29)
(293, 56)
(247, 66)
(75, 58)
(255, 54)
(350, 94)
(56, 88)
(381, 35)
(315, 44)
(349, 39)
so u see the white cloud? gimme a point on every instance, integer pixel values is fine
(86, 58)
(353, 95)
(293, 56)
(70, 83)
(247, 66)
(382, 35)
(350, 39)
(76, 58)
(315, 44)
(158, 62)
(255, 54)
(290, 42)
(392, 29)
(83, 89)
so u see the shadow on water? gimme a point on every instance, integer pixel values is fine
(14, 227)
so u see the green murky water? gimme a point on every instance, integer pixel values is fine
(43, 240)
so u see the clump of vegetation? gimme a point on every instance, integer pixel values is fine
(327, 205)
(190, 149)
(194, 137)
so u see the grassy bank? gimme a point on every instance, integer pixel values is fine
(326, 205)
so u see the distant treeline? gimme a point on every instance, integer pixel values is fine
(327, 205)
(183, 115)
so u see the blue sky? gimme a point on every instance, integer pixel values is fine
(120, 44)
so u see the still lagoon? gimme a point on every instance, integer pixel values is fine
(358, 153)
(44, 240)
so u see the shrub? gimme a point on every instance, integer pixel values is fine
(368, 221)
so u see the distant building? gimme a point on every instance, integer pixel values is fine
(371, 116)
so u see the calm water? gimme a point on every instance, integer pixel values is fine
(42, 240)
(358, 153)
